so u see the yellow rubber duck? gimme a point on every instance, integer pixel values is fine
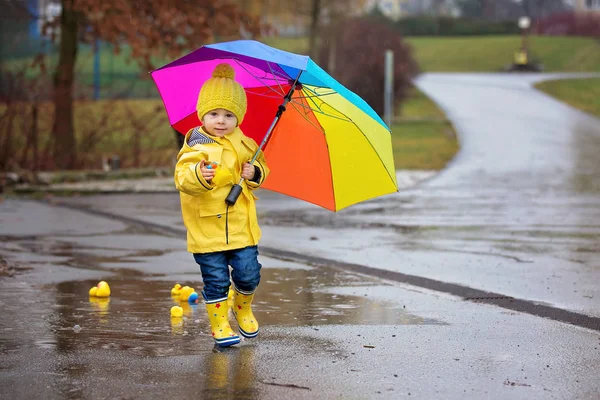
(100, 290)
(103, 289)
(185, 293)
(176, 290)
(176, 312)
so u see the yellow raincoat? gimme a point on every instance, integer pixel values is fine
(211, 225)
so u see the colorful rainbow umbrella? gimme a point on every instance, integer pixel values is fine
(323, 143)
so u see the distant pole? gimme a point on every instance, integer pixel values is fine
(524, 23)
(96, 69)
(388, 90)
(33, 7)
(314, 29)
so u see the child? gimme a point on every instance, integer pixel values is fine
(213, 158)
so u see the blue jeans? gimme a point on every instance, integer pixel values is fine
(215, 271)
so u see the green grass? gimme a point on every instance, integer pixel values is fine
(110, 62)
(422, 138)
(418, 106)
(298, 45)
(440, 54)
(486, 53)
(583, 94)
(423, 145)
(120, 76)
(492, 53)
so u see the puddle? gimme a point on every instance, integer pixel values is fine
(136, 317)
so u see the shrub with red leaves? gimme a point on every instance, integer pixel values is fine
(569, 24)
(359, 47)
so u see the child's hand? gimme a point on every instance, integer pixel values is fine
(248, 171)
(207, 173)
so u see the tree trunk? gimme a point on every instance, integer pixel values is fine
(63, 129)
(7, 145)
(314, 29)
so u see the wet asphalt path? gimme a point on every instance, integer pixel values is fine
(517, 213)
(325, 333)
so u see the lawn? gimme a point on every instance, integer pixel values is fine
(492, 53)
(487, 53)
(422, 138)
(580, 93)
(423, 145)
(439, 54)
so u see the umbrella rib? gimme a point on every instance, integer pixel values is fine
(267, 95)
(262, 79)
(275, 75)
(303, 114)
(312, 100)
(278, 84)
(317, 106)
(317, 94)
(318, 110)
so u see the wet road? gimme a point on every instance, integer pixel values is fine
(518, 213)
(325, 333)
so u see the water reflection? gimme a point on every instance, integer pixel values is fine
(137, 317)
(136, 322)
(229, 373)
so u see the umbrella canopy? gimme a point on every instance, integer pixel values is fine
(328, 148)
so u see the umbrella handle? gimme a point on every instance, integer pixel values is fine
(234, 193)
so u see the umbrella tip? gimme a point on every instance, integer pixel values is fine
(298, 84)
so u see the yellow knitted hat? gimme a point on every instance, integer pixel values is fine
(222, 91)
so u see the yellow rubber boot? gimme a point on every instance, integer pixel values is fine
(219, 323)
(242, 309)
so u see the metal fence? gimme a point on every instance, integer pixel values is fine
(99, 72)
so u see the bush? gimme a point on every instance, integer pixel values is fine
(359, 47)
(569, 24)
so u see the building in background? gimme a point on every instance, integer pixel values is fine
(587, 5)
(396, 9)
(293, 18)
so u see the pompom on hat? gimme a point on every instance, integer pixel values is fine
(222, 91)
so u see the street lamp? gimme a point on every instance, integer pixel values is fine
(524, 24)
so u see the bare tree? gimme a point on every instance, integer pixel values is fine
(152, 28)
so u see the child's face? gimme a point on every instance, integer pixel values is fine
(219, 122)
